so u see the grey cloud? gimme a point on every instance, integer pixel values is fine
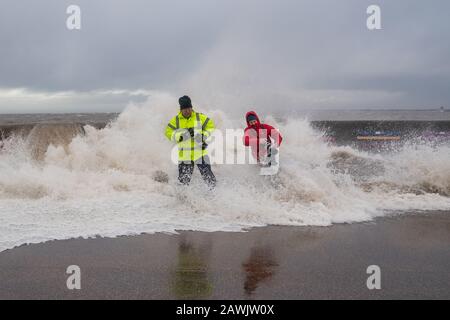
(231, 54)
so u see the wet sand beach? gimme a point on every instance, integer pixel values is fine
(274, 262)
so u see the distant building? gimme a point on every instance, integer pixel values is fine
(442, 109)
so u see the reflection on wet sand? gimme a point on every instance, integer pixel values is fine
(264, 263)
(258, 268)
(191, 279)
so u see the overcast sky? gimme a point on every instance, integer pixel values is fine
(227, 54)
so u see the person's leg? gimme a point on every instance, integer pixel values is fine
(185, 170)
(269, 154)
(204, 167)
(272, 152)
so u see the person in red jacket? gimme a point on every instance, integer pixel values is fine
(260, 137)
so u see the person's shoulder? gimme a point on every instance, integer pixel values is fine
(202, 115)
(174, 118)
(267, 126)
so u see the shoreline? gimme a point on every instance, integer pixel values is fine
(274, 262)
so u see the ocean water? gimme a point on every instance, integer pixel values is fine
(61, 180)
(311, 115)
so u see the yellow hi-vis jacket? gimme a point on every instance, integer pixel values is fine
(189, 149)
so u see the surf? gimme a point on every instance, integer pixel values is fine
(66, 182)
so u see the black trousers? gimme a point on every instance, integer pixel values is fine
(186, 169)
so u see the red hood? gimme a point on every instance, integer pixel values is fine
(252, 113)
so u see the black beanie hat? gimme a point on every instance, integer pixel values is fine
(185, 102)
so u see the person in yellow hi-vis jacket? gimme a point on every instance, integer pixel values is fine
(190, 131)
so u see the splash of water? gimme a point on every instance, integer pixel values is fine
(119, 180)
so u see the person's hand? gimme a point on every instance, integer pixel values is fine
(191, 132)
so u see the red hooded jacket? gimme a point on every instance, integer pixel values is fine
(254, 134)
